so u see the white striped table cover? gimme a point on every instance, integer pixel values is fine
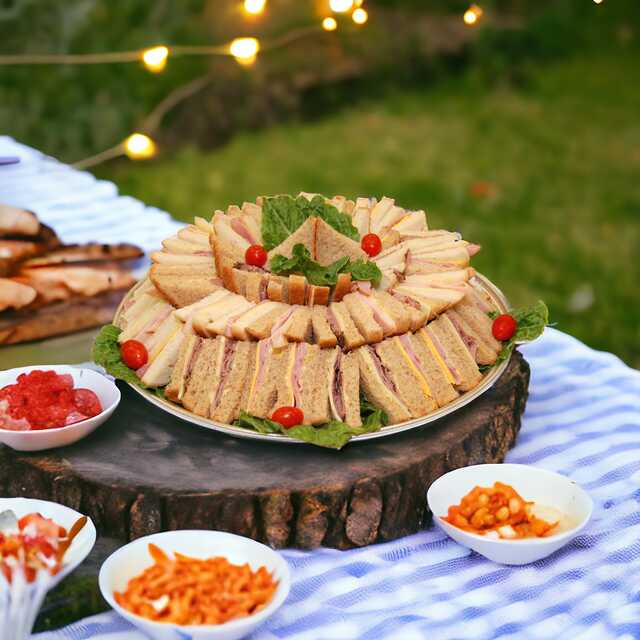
(582, 420)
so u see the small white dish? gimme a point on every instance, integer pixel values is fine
(20, 603)
(545, 488)
(132, 559)
(41, 439)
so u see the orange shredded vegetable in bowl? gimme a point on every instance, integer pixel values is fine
(498, 512)
(192, 591)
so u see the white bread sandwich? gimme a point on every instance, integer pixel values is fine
(183, 368)
(257, 321)
(363, 317)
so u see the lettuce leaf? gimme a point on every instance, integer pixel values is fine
(531, 322)
(106, 353)
(301, 262)
(332, 435)
(341, 222)
(282, 215)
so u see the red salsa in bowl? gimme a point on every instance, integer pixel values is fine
(45, 400)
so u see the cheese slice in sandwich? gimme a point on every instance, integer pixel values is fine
(435, 372)
(412, 221)
(211, 323)
(321, 330)
(343, 326)
(183, 368)
(277, 338)
(257, 321)
(363, 316)
(411, 384)
(234, 373)
(378, 386)
(205, 367)
(331, 245)
(344, 387)
(452, 351)
(187, 312)
(480, 350)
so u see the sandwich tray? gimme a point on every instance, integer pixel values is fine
(488, 380)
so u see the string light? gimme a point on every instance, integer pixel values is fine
(329, 24)
(245, 50)
(139, 146)
(472, 15)
(254, 7)
(155, 59)
(360, 16)
(340, 6)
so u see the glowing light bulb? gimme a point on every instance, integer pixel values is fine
(340, 6)
(329, 24)
(138, 146)
(360, 16)
(598, 1)
(254, 7)
(155, 59)
(472, 15)
(245, 50)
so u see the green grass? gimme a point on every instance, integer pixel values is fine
(561, 156)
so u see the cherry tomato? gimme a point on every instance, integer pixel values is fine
(256, 255)
(134, 354)
(371, 244)
(504, 327)
(288, 416)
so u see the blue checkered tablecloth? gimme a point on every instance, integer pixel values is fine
(582, 420)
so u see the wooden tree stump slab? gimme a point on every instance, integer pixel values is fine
(145, 471)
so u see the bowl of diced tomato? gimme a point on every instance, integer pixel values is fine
(44, 407)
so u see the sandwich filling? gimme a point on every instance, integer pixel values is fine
(296, 377)
(383, 372)
(239, 226)
(469, 341)
(335, 327)
(457, 378)
(225, 367)
(335, 387)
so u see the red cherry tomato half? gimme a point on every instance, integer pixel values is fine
(288, 416)
(504, 327)
(371, 244)
(256, 255)
(134, 354)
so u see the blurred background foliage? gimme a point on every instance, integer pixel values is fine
(522, 132)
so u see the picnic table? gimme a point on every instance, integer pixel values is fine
(582, 420)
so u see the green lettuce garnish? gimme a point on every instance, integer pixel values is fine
(282, 215)
(106, 353)
(301, 262)
(531, 322)
(331, 435)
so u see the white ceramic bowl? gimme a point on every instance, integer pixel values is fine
(40, 439)
(64, 516)
(545, 488)
(130, 560)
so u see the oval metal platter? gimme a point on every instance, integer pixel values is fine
(240, 432)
